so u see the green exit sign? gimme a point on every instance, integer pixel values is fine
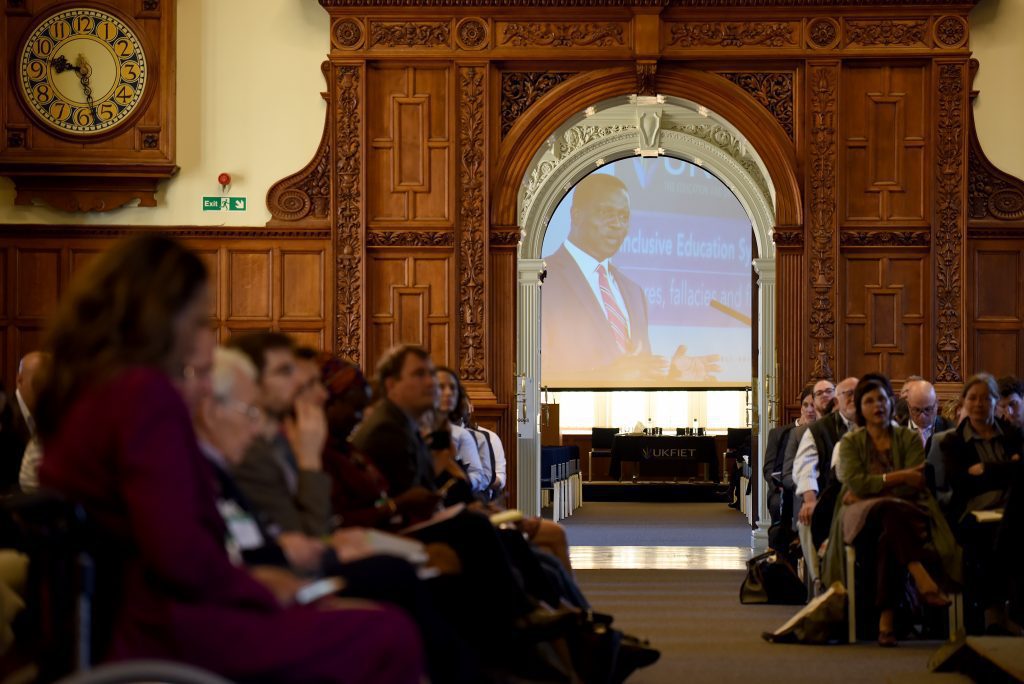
(223, 204)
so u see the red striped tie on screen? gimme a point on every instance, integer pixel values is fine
(615, 318)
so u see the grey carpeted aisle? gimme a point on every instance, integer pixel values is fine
(657, 524)
(694, 617)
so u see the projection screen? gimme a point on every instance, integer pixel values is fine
(648, 281)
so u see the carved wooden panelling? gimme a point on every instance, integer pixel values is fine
(995, 307)
(407, 34)
(884, 308)
(348, 211)
(472, 330)
(773, 90)
(950, 218)
(733, 34)
(885, 112)
(409, 300)
(823, 82)
(302, 285)
(547, 34)
(887, 32)
(992, 195)
(255, 284)
(37, 274)
(410, 145)
(249, 284)
(520, 89)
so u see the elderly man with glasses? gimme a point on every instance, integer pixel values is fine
(923, 409)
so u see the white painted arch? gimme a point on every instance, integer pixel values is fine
(614, 129)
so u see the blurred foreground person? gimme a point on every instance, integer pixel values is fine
(118, 440)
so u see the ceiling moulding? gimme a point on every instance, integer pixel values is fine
(640, 3)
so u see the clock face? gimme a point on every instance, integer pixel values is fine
(82, 71)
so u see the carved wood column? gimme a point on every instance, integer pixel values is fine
(349, 97)
(471, 231)
(822, 222)
(950, 219)
(788, 373)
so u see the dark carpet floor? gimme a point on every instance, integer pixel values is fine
(657, 524)
(694, 617)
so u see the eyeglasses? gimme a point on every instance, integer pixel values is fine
(253, 413)
(926, 411)
(844, 393)
(824, 392)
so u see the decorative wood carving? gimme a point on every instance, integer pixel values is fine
(616, 4)
(775, 34)
(348, 210)
(885, 238)
(472, 232)
(505, 238)
(562, 35)
(992, 195)
(410, 238)
(788, 237)
(520, 89)
(646, 72)
(886, 32)
(347, 34)
(951, 31)
(411, 34)
(823, 33)
(822, 215)
(774, 90)
(472, 34)
(948, 248)
(308, 192)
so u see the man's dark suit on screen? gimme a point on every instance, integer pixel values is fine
(576, 336)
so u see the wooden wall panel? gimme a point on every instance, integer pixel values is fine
(995, 306)
(409, 300)
(885, 304)
(410, 145)
(885, 110)
(256, 284)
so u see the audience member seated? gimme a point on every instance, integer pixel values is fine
(119, 441)
(923, 412)
(780, 501)
(281, 473)
(18, 430)
(227, 420)
(31, 374)
(451, 406)
(492, 452)
(824, 393)
(812, 466)
(884, 507)
(976, 470)
(1011, 401)
(901, 412)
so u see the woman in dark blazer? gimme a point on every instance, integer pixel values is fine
(977, 462)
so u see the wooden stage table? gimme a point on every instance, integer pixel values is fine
(676, 449)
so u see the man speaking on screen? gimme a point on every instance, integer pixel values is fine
(594, 324)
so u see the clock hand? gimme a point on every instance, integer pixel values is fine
(84, 71)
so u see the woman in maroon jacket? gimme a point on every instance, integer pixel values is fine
(118, 440)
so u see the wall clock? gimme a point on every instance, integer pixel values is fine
(88, 89)
(83, 71)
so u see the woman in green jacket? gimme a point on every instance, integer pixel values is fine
(885, 499)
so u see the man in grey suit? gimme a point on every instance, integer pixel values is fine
(595, 317)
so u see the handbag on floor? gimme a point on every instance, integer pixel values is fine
(822, 621)
(772, 579)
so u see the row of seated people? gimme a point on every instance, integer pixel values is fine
(864, 466)
(254, 514)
